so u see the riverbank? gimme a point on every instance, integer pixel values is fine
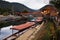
(30, 34)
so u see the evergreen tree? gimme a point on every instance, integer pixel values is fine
(56, 3)
(25, 11)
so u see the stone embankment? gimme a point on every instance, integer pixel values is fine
(33, 33)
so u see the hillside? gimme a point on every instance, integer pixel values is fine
(15, 6)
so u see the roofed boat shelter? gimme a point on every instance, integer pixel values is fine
(27, 24)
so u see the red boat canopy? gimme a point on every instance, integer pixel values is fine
(23, 26)
(27, 24)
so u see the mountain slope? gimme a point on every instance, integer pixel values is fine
(15, 6)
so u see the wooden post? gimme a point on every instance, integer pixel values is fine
(12, 31)
(0, 31)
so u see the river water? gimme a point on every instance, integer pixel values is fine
(5, 32)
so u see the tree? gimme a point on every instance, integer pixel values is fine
(4, 10)
(56, 3)
(25, 11)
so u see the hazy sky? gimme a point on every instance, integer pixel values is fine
(33, 4)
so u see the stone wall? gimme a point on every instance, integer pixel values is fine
(33, 33)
